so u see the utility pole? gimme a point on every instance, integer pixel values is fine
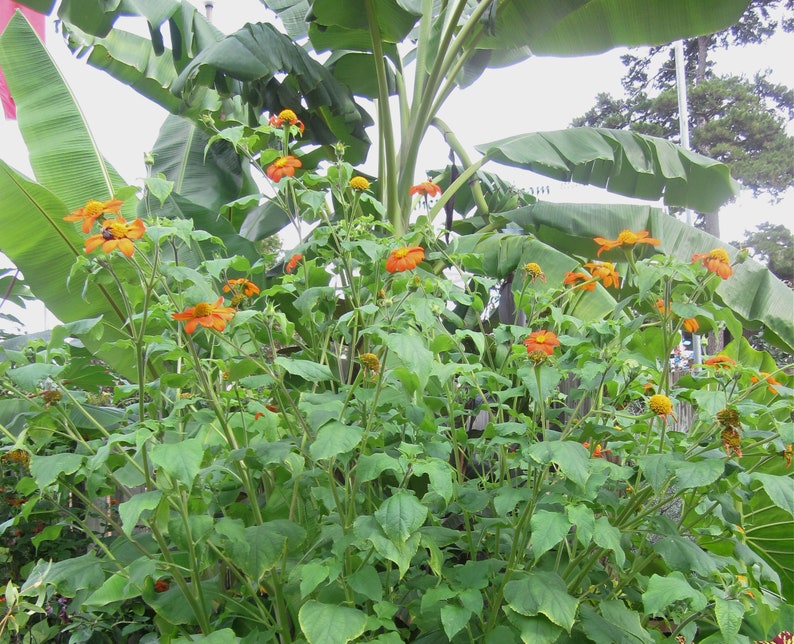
(209, 5)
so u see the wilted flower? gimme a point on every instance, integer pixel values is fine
(286, 116)
(210, 316)
(720, 361)
(293, 262)
(717, 261)
(534, 271)
(770, 381)
(544, 341)
(731, 441)
(573, 278)
(282, 167)
(359, 183)
(92, 211)
(241, 285)
(728, 417)
(625, 238)
(404, 259)
(17, 456)
(691, 325)
(598, 451)
(370, 361)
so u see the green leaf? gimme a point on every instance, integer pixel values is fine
(312, 575)
(691, 474)
(572, 459)
(664, 591)
(608, 536)
(685, 556)
(400, 552)
(548, 529)
(400, 516)
(542, 592)
(779, 489)
(454, 618)
(335, 438)
(412, 351)
(47, 469)
(583, 519)
(260, 550)
(616, 623)
(622, 162)
(115, 589)
(330, 624)
(729, 614)
(221, 636)
(131, 510)
(32, 376)
(309, 371)
(181, 461)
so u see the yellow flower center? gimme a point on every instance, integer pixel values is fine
(118, 230)
(370, 361)
(660, 405)
(400, 253)
(288, 115)
(720, 254)
(202, 309)
(281, 162)
(537, 356)
(540, 339)
(627, 237)
(359, 183)
(94, 208)
(533, 269)
(728, 417)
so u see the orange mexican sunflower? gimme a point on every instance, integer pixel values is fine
(286, 116)
(720, 361)
(404, 259)
(598, 451)
(92, 211)
(282, 167)
(210, 316)
(116, 233)
(604, 271)
(770, 381)
(544, 341)
(293, 262)
(625, 238)
(716, 261)
(426, 188)
(573, 278)
(691, 325)
(241, 284)
(359, 183)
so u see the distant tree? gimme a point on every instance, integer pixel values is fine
(739, 121)
(772, 245)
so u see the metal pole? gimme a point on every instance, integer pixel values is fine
(683, 122)
(208, 6)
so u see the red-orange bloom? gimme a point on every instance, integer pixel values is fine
(717, 261)
(770, 381)
(210, 316)
(720, 361)
(691, 325)
(92, 211)
(426, 188)
(116, 233)
(542, 341)
(286, 116)
(604, 271)
(404, 259)
(573, 278)
(598, 451)
(161, 586)
(625, 238)
(282, 167)
(241, 284)
(293, 262)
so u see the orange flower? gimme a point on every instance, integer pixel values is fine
(359, 183)
(598, 452)
(691, 325)
(116, 233)
(544, 341)
(426, 188)
(720, 361)
(283, 167)
(246, 286)
(210, 316)
(293, 262)
(717, 261)
(161, 586)
(404, 259)
(92, 211)
(573, 278)
(286, 116)
(625, 238)
(769, 381)
(604, 271)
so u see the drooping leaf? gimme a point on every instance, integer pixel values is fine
(329, 623)
(542, 592)
(663, 591)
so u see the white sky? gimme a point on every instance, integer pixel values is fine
(538, 94)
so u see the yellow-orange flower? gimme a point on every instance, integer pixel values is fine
(535, 272)
(604, 271)
(210, 316)
(691, 325)
(404, 259)
(720, 361)
(286, 116)
(573, 278)
(92, 211)
(717, 261)
(282, 167)
(116, 233)
(359, 183)
(370, 361)
(293, 262)
(598, 451)
(426, 188)
(770, 381)
(241, 284)
(544, 341)
(625, 238)
(660, 405)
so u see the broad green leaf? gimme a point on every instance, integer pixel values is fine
(181, 461)
(130, 511)
(335, 438)
(47, 469)
(534, 630)
(412, 351)
(622, 162)
(440, 474)
(548, 529)
(692, 474)
(397, 551)
(31, 376)
(779, 488)
(572, 459)
(261, 550)
(309, 371)
(583, 519)
(685, 556)
(366, 581)
(401, 515)
(454, 618)
(542, 592)
(115, 589)
(663, 591)
(608, 536)
(394, 22)
(69, 575)
(312, 575)
(221, 636)
(729, 614)
(330, 623)
(371, 466)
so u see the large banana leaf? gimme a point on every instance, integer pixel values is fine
(625, 163)
(63, 155)
(753, 293)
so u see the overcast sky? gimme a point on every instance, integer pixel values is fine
(538, 94)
